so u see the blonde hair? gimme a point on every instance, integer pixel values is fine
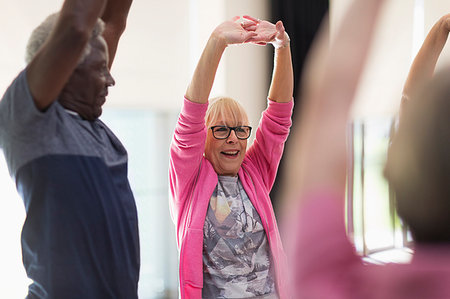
(227, 109)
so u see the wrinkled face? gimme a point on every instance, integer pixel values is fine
(87, 88)
(225, 155)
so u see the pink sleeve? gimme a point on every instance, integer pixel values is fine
(267, 148)
(186, 151)
(325, 264)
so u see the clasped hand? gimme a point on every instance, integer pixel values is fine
(252, 30)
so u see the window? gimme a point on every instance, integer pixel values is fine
(373, 224)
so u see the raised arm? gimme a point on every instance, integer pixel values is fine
(227, 33)
(424, 63)
(49, 70)
(282, 85)
(115, 18)
(318, 158)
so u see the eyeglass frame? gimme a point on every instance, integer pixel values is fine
(229, 131)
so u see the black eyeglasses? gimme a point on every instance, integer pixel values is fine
(222, 132)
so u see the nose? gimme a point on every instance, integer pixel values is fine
(109, 79)
(232, 137)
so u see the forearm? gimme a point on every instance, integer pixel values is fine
(271, 134)
(282, 85)
(115, 18)
(425, 61)
(54, 63)
(203, 79)
(84, 12)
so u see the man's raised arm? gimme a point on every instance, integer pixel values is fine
(55, 61)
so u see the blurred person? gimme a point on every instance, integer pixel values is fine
(422, 194)
(324, 262)
(80, 236)
(228, 240)
(424, 64)
(419, 88)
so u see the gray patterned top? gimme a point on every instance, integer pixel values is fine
(236, 254)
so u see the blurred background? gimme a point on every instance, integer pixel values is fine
(153, 66)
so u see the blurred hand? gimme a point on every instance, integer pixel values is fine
(234, 32)
(447, 22)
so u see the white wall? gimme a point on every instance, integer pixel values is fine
(388, 62)
(399, 34)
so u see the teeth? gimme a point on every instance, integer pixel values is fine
(231, 153)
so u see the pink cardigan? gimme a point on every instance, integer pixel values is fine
(193, 179)
(326, 265)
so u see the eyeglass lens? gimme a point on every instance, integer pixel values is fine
(222, 132)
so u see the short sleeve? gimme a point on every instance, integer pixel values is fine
(19, 115)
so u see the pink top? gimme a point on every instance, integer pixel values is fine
(193, 179)
(326, 265)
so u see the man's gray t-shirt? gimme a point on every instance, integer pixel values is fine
(80, 236)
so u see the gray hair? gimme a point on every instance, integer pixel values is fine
(41, 33)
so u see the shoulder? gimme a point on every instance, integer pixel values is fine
(18, 110)
(18, 88)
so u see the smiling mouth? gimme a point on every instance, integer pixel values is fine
(230, 153)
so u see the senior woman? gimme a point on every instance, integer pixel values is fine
(227, 234)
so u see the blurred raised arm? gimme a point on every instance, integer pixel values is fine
(422, 68)
(317, 161)
(49, 70)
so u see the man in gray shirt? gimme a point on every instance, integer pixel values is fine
(80, 236)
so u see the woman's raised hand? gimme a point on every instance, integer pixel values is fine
(268, 33)
(235, 32)
(447, 22)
